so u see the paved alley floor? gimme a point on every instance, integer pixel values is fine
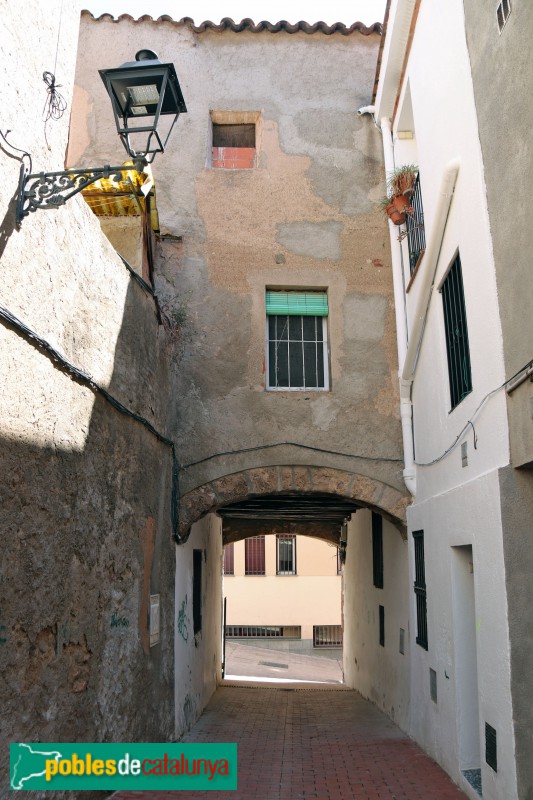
(312, 743)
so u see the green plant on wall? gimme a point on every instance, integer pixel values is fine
(401, 181)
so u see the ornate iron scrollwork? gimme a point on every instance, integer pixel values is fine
(53, 189)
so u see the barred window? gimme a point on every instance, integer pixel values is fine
(420, 590)
(229, 559)
(297, 340)
(286, 554)
(457, 348)
(254, 555)
(327, 635)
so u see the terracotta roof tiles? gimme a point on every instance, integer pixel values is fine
(248, 25)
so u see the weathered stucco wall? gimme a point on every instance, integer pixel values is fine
(198, 655)
(502, 71)
(85, 491)
(516, 489)
(305, 217)
(505, 118)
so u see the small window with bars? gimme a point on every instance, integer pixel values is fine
(327, 635)
(377, 549)
(414, 223)
(297, 351)
(254, 555)
(263, 631)
(420, 590)
(456, 331)
(285, 554)
(229, 559)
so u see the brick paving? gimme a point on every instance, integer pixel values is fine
(303, 743)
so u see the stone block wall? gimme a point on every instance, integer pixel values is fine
(85, 490)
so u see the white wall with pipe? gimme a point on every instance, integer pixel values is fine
(456, 504)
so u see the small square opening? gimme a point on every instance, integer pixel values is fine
(234, 145)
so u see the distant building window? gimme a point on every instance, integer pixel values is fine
(234, 146)
(229, 559)
(263, 631)
(339, 561)
(420, 590)
(327, 635)
(286, 554)
(254, 555)
(377, 549)
(297, 352)
(382, 626)
(453, 299)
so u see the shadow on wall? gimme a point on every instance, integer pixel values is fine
(87, 540)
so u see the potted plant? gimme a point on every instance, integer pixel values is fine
(395, 208)
(401, 182)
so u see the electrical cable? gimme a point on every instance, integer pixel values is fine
(290, 444)
(470, 421)
(55, 104)
(60, 362)
(25, 153)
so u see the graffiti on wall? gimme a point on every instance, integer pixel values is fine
(182, 620)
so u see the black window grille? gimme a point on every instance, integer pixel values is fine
(286, 554)
(296, 352)
(254, 555)
(327, 635)
(491, 752)
(416, 235)
(453, 300)
(264, 631)
(197, 556)
(420, 591)
(229, 559)
(377, 549)
(382, 626)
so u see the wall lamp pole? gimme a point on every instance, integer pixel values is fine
(141, 91)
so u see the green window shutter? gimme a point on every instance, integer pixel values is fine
(309, 304)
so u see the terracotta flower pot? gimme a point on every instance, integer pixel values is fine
(395, 216)
(398, 208)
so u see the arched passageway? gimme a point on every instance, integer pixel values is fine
(375, 616)
(260, 482)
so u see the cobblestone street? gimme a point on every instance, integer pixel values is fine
(303, 743)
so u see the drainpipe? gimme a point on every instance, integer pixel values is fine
(409, 346)
(406, 406)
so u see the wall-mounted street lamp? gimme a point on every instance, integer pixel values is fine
(141, 92)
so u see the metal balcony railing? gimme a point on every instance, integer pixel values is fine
(416, 235)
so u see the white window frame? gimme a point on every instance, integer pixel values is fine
(292, 537)
(325, 355)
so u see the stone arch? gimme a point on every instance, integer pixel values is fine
(258, 481)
